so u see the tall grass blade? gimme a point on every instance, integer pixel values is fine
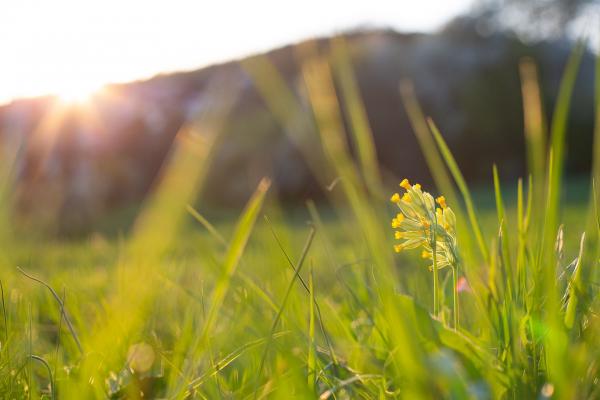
(520, 284)
(359, 122)
(504, 237)
(312, 358)
(535, 124)
(288, 291)
(50, 376)
(556, 343)
(241, 274)
(227, 360)
(63, 311)
(593, 229)
(575, 288)
(558, 136)
(596, 146)
(5, 347)
(234, 253)
(307, 288)
(462, 186)
(427, 144)
(206, 224)
(319, 82)
(287, 109)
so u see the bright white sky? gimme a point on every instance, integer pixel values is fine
(73, 47)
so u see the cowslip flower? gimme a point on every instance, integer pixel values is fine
(420, 223)
(429, 224)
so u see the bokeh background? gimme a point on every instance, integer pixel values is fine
(83, 160)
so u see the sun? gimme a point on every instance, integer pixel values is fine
(77, 93)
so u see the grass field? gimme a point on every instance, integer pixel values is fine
(315, 303)
(85, 272)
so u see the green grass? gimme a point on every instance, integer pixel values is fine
(85, 270)
(313, 303)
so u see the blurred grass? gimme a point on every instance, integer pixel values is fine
(85, 268)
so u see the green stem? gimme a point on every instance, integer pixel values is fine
(455, 295)
(436, 281)
(435, 288)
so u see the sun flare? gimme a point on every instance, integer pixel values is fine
(77, 93)
(54, 43)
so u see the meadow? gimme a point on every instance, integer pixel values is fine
(314, 302)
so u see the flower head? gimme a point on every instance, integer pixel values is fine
(421, 224)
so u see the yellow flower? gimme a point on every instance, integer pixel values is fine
(405, 184)
(419, 218)
(422, 225)
(441, 201)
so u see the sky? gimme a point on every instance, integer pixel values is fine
(71, 48)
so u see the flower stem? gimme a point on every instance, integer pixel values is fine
(455, 296)
(436, 281)
(435, 289)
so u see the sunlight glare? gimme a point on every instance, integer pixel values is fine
(76, 93)
(61, 46)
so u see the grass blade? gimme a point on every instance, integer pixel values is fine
(234, 253)
(359, 122)
(427, 143)
(575, 289)
(535, 125)
(63, 311)
(504, 239)
(558, 137)
(462, 186)
(312, 359)
(288, 291)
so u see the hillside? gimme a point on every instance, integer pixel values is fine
(90, 160)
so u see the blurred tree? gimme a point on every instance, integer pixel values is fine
(536, 19)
